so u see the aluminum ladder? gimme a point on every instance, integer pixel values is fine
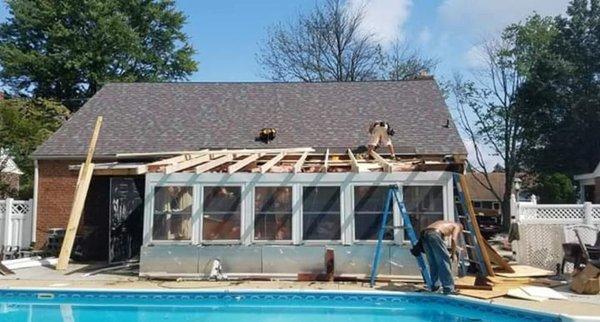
(395, 194)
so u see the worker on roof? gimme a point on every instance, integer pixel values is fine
(379, 135)
(434, 246)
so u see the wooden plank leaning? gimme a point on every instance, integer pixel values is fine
(83, 184)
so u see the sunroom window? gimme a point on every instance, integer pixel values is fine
(369, 203)
(273, 213)
(321, 213)
(424, 205)
(222, 213)
(172, 213)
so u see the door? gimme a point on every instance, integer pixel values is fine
(125, 218)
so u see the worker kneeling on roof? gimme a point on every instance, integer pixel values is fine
(380, 133)
(433, 245)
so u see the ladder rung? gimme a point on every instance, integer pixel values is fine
(394, 227)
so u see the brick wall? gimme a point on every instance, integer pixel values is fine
(56, 189)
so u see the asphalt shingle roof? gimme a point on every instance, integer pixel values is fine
(154, 117)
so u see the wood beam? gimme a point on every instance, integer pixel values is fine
(387, 167)
(353, 161)
(81, 190)
(214, 163)
(153, 166)
(239, 151)
(325, 166)
(244, 162)
(187, 164)
(298, 165)
(265, 167)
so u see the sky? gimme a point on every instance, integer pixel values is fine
(226, 33)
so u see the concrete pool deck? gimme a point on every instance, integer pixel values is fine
(46, 277)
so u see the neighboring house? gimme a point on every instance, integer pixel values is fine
(484, 200)
(589, 186)
(278, 213)
(10, 175)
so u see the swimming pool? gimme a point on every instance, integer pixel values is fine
(222, 306)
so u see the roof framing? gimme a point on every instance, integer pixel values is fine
(294, 160)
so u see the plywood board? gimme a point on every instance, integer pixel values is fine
(526, 271)
(518, 293)
(483, 294)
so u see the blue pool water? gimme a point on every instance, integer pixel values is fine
(97, 306)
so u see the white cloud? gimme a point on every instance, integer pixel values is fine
(475, 57)
(425, 36)
(383, 18)
(490, 16)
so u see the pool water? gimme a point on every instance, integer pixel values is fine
(101, 306)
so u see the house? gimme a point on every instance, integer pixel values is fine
(181, 178)
(589, 186)
(484, 200)
(10, 175)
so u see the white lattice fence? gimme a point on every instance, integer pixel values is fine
(16, 222)
(541, 230)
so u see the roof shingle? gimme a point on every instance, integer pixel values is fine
(153, 117)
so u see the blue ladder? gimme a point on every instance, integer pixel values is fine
(394, 193)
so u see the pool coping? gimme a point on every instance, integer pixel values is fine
(561, 316)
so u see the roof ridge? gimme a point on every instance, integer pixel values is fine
(417, 79)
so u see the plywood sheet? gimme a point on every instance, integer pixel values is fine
(526, 271)
(483, 294)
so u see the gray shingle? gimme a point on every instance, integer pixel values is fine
(152, 117)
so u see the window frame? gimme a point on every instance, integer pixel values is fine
(201, 240)
(445, 195)
(190, 241)
(253, 240)
(396, 216)
(301, 228)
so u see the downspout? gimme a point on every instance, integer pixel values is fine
(35, 201)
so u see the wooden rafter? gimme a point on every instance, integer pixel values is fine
(353, 161)
(269, 164)
(387, 167)
(238, 151)
(325, 161)
(244, 162)
(214, 163)
(298, 165)
(196, 160)
(174, 160)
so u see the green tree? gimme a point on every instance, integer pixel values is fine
(66, 49)
(24, 124)
(555, 188)
(561, 95)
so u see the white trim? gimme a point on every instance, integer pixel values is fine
(249, 181)
(36, 182)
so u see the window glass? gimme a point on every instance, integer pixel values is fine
(273, 213)
(172, 213)
(425, 205)
(369, 203)
(222, 213)
(321, 213)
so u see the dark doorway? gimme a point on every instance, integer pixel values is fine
(126, 213)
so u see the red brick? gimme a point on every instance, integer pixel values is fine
(56, 188)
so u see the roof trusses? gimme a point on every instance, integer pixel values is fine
(294, 160)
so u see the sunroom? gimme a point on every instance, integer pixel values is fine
(278, 214)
